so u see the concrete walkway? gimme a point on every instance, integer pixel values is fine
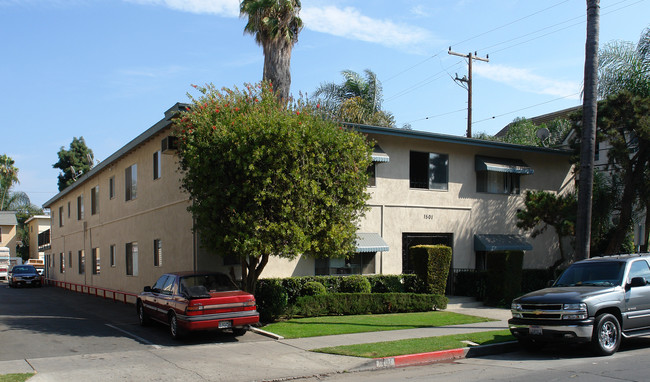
(250, 361)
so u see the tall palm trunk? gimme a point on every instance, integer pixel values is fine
(588, 141)
(277, 66)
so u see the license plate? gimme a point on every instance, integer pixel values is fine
(225, 324)
(535, 330)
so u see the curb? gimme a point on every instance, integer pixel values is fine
(443, 355)
(265, 333)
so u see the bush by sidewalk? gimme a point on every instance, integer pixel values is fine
(366, 303)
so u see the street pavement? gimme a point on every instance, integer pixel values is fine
(244, 361)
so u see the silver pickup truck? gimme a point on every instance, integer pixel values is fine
(595, 301)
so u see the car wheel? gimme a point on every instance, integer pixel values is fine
(143, 317)
(607, 335)
(238, 332)
(174, 330)
(531, 346)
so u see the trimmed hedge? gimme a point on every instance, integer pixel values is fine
(431, 264)
(504, 277)
(366, 303)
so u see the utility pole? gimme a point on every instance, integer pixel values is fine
(468, 81)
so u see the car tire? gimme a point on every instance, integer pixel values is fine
(174, 329)
(143, 317)
(607, 335)
(238, 332)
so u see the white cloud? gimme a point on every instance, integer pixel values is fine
(349, 23)
(227, 8)
(526, 80)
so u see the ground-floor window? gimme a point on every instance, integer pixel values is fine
(132, 259)
(95, 260)
(111, 255)
(61, 263)
(157, 252)
(82, 261)
(357, 264)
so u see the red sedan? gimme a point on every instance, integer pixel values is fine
(189, 301)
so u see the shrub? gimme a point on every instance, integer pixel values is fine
(471, 283)
(272, 299)
(367, 303)
(386, 283)
(354, 284)
(504, 277)
(431, 263)
(313, 288)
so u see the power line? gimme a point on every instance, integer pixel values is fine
(525, 108)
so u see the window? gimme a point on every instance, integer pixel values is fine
(494, 182)
(131, 182)
(68, 210)
(61, 263)
(168, 286)
(111, 255)
(95, 260)
(111, 187)
(132, 259)
(94, 200)
(80, 207)
(61, 216)
(70, 259)
(157, 253)
(639, 269)
(157, 165)
(82, 262)
(372, 175)
(429, 170)
(357, 264)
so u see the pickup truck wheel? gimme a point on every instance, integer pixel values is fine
(238, 332)
(143, 317)
(174, 330)
(607, 334)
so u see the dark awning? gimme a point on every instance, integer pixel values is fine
(515, 166)
(379, 155)
(370, 242)
(492, 243)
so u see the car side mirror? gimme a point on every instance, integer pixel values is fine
(637, 282)
(147, 289)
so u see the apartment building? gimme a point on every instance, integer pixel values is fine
(125, 222)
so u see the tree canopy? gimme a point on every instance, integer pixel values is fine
(267, 178)
(522, 131)
(357, 100)
(77, 160)
(8, 177)
(275, 25)
(624, 66)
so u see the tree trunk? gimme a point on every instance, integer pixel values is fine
(632, 184)
(587, 143)
(277, 66)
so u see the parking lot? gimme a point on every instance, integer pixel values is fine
(51, 322)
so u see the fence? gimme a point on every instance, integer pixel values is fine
(126, 297)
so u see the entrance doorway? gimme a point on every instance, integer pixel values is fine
(412, 239)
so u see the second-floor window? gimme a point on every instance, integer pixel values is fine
(94, 200)
(131, 182)
(157, 252)
(429, 170)
(61, 216)
(111, 187)
(80, 207)
(112, 254)
(157, 165)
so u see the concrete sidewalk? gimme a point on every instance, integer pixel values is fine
(251, 361)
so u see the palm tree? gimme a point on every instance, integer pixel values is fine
(588, 140)
(8, 177)
(275, 25)
(357, 100)
(623, 66)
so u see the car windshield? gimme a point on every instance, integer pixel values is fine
(592, 274)
(23, 269)
(213, 282)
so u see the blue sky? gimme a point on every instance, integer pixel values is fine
(108, 69)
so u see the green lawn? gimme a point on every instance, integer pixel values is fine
(418, 345)
(330, 325)
(15, 377)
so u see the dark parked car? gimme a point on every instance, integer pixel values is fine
(24, 275)
(187, 301)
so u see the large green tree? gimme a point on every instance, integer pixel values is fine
(275, 25)
(8, 177)
(267, 178)
(357, 100)
(75, 161)
(545, 209)
(522, 131)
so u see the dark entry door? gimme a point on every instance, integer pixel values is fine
(412, 239)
